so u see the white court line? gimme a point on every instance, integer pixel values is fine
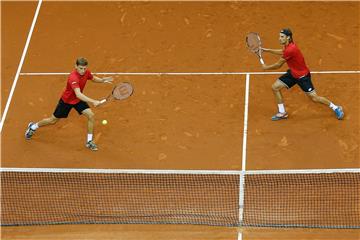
(186, 73)
(169, 171)
(243, 163)
(20, 65)
(246, 107)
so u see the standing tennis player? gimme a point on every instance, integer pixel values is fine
(73, 97)
(298, 73)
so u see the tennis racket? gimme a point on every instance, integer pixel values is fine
(253, 43)
(120, 92)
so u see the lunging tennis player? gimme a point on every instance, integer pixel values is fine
(73, 97)
(298, 73)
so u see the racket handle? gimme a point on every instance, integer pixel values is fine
(262, 61)
(102, 101)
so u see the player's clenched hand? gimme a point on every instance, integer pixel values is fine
(96, 103)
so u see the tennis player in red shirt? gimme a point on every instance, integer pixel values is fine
(298, 73)
(73, 97)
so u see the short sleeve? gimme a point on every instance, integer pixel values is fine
(74, 82)
(288, 54)
(90, 76)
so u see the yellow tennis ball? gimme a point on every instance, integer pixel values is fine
(104, 122)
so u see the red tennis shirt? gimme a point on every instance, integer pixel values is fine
(295, 61)
(75, 80)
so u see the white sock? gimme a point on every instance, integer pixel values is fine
(333, 106)
(281, 108)
(34, 126)
(89, 137)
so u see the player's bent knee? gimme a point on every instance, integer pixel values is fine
(314, 98)
(89, 114)
(53, 120)
(276, 87)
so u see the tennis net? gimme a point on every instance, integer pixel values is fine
(293, 198)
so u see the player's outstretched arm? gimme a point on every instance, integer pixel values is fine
(84, 98)
(273, 51)
(276, 65)
(102, 80)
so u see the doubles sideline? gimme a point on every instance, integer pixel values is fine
(20, 65)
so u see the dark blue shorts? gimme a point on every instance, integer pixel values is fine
(304, 82)
(62, 109)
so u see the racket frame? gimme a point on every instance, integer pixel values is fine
(111, 96)
(257, 51)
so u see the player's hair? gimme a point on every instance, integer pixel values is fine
(81, 61)
(287, 32)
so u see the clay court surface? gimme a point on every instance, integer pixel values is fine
(179, 121)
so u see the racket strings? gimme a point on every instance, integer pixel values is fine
(122, 91)
(253, 42)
